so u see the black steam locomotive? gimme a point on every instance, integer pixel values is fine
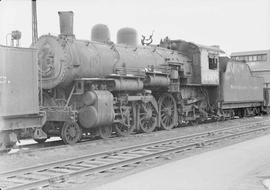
(99, 87)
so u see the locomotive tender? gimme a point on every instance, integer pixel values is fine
(97, 87)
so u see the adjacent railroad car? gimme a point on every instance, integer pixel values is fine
(19, 100)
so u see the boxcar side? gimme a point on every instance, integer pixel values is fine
(19, 100)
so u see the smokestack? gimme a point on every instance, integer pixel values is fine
(66, 23)
(34, 22)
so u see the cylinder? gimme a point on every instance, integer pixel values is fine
(127, 36)
(100, 33)
(66, 22)
(100, 113)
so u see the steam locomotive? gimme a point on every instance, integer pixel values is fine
(97, 87)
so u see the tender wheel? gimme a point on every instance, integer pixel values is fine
(168, 111)
(147, 117)
(127, 124)
(105, 132)
(71, 133)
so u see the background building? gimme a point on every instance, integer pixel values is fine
(258, 61)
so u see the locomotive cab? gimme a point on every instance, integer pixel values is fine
(205, 62)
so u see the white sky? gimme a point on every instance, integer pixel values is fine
(235, 25)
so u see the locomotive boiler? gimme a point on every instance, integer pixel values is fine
(62, 59)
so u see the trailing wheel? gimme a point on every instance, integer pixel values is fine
(127, 122)
(71, 133)
(105, 132)
(167, 111)
(147, 117)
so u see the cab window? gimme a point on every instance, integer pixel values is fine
(212, 61)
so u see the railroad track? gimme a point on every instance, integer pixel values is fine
(58, 144)
(41, 176)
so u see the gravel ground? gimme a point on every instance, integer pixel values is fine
(83, 182)
(23, 158)
(229, 168)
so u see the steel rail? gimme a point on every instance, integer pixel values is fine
(51, 164)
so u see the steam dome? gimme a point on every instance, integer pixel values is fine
(127, 36)
(100, 33)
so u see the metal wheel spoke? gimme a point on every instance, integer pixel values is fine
(167, 108)
(147, 118)
(127, 124)
(71, 133)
